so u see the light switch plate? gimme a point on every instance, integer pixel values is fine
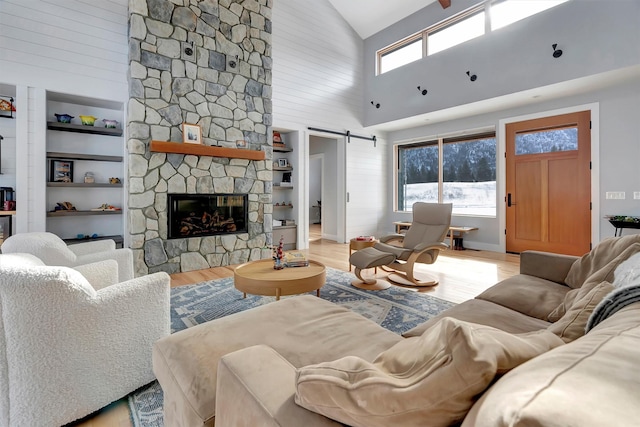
(636, 195)
(615, 195)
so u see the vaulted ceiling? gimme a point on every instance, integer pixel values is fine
(368, 17)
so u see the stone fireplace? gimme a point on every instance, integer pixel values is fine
(204, 62)
(200, 215)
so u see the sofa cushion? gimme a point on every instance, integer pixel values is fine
(606, 251)
(572, 325)
(608, 273)
(569, 299)
(591, 382)
(546, 265)
(484, 313)
(434, 377)
(526, 294)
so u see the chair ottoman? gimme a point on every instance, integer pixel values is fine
(303, 329)
(370, 257)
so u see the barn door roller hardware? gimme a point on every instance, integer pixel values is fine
(348, 134)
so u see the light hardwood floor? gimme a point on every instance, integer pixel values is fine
(462, 276)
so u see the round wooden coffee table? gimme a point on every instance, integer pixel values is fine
(259, 278)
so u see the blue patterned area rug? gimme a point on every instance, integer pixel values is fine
(397, 309)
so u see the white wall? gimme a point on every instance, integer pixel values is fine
(69, 46)
(317, 66)
(73, 47)
(318, 82)
(597, 36)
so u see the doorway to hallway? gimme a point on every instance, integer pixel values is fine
(322, 194)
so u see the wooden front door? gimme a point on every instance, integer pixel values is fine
(549, 184)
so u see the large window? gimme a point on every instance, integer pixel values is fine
(460, 170)
(485, 17)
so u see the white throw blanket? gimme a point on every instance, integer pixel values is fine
(626, 292)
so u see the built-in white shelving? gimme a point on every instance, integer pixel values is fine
(89, 157)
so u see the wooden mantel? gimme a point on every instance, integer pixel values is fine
(206, 150)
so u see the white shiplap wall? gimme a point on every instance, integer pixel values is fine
(70, 46)
(317, 65)
(317, 82)
(76, 47)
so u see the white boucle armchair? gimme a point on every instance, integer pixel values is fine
(69, 348)
(52, 250)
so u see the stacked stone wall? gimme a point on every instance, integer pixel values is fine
(207, 63)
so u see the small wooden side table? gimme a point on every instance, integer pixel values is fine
(453, 236)
(401, 226)
(356, 245)
(455, 232)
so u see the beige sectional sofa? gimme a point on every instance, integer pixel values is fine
(530, 365)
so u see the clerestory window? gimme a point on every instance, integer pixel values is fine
(483, 18)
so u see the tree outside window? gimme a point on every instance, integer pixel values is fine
(468, 174)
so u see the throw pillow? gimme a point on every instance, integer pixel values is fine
(436, 376)
(606, 273)
(598, 257)
(572, 325)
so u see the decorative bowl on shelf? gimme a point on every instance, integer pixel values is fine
(88, 120)
(110, 124)
(63, 118)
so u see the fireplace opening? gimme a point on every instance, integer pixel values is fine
(197, 215)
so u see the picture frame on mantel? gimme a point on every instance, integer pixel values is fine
(191, 134)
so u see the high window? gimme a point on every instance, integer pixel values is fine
(459, 170)
(485, 17)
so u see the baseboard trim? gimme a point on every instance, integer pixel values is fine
(479, 246)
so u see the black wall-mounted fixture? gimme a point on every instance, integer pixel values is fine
(189, 50)
(375, 104)
(472, 77)
(422, 91)
(233, 63)
(557, 53)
